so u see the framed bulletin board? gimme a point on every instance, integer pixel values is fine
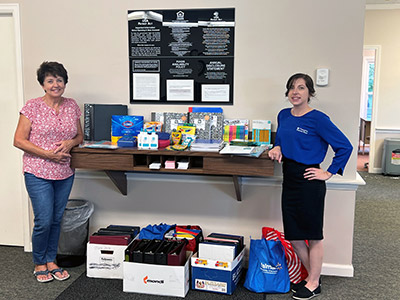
(181, 56)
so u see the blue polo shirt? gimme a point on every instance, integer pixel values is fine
(305, 139)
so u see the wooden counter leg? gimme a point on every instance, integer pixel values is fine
(237, 181)
(120, 181)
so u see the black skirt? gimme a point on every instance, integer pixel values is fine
(303, 203)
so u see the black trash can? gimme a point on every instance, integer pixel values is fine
(74, 233)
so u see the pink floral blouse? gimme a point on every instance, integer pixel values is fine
(47, 128)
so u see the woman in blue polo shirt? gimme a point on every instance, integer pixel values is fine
(302, 140)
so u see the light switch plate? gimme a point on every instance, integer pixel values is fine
(322, 77)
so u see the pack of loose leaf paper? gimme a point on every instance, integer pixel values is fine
(208, 125)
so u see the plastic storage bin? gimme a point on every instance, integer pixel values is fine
(391, 157)
(74, 233)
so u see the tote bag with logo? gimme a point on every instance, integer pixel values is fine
(267, 272)
(297, 271)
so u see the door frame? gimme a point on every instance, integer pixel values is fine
(12, 9)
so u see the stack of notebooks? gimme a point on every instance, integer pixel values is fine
(206, 145)
(183, 164)
(98, 145)
(245, 148)
(156, 165)
(221, 246)
(169, 164)
(114, 235)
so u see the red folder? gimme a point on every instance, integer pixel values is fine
(177, 256)
(110, 239)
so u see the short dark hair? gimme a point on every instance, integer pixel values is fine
(52, 68)
(307, 79)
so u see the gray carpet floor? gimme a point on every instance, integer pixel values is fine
(376, 261)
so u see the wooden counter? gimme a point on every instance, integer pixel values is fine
(115, 162)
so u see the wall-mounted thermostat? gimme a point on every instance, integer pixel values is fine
(322, 77)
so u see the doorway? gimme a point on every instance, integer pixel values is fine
(368, 88)
(14, 215)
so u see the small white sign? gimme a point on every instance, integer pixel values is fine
(215, 92)
(146, 86)
(180, 90)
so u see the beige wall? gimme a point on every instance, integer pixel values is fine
(382, 29)
(272, 42)
(273, 39)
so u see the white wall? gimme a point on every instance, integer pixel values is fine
(382, 28)
(273, 40)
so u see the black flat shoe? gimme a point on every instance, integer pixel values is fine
(305, 294)
(296, 286)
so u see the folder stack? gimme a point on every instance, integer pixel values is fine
(160, 252)
(220, 246)
(114, 235)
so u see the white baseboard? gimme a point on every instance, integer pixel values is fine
(375, 170)
(337, 270)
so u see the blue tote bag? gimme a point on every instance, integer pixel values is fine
(267, 272)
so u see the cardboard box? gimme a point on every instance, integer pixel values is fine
(216, 276)
(157, 279)
(105, 261)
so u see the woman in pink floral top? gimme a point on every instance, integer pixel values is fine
(48, 128)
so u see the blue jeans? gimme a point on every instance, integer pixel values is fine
(49, 199)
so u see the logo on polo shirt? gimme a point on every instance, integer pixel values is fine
(299, 129)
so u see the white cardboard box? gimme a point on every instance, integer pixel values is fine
(216, 276)
(157, 279)
(105, 261)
